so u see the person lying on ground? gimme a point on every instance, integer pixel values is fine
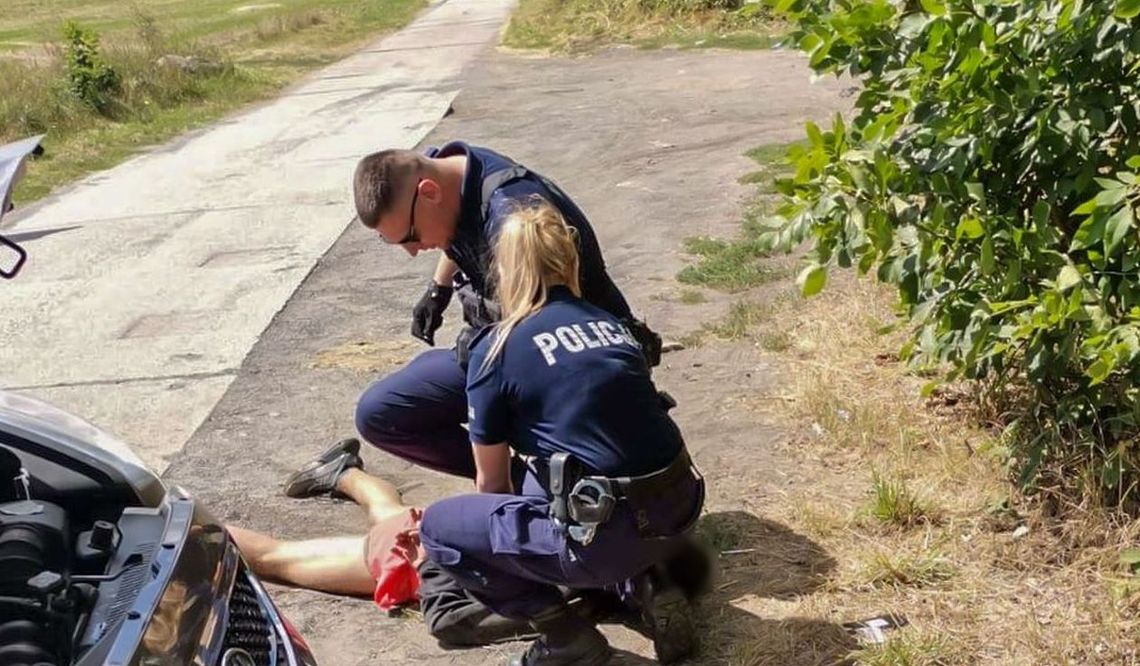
(386, 563)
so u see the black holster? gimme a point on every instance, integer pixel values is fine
(478, 310)
(581, 502)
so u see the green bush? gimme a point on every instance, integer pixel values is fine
(91, 79)
(989, 172)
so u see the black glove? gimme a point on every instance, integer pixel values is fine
(427, 316)
(650, 342)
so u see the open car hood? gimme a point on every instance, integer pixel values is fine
(49, 427)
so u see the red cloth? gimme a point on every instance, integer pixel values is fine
(392, 552)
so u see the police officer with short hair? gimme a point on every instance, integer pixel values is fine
(455, 198)
(610, 489)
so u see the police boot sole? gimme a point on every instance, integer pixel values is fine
(670, 619)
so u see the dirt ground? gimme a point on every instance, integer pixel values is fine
(650, 144)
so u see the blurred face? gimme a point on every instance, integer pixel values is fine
(417, 221)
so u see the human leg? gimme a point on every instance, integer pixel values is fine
(378, 498)
(509, 554)
(334, 564)
(505, 551)
(417, 412)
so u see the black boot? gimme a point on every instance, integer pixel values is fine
(667, 617)
(566, 640)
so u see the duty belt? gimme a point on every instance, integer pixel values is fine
(581, 502)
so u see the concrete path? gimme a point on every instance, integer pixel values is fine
(148, 284)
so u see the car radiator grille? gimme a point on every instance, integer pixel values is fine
(249, 628)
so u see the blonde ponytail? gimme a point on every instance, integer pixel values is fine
(536, 250)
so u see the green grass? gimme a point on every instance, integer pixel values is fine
(770, 159)
(728, 265)
(257, 50)
(583, 25)
(736, 264)
(27, 23)
(709, 38)
(892, 502)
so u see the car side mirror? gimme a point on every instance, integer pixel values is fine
(13, 157)
(12, 258)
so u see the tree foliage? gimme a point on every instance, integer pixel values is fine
(990, 173)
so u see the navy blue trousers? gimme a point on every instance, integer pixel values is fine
(509, 554)
(417, 413)
(503, 549)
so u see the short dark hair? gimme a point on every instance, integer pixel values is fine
(379, 179)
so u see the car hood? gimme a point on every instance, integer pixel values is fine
(47, 425)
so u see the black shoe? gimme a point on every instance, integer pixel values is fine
(320, 475)
(566, 640)
(664, 616)
(670, 618)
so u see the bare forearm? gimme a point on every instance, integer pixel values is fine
(492, 468)
(444, 271)
(485, 485)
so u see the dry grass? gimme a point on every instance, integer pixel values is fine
(905, 502)
(692, 297)
(974, 592)
(909, 648)
(365, 357)
(944, 548)
(584, 25)
(921, 569)
(742, 317)
(775, 341)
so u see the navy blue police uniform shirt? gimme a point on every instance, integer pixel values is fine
(571, 379)
(474, 237)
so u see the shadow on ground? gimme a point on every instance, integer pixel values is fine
(762, 558)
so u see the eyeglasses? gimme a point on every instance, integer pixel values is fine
(411, 236)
